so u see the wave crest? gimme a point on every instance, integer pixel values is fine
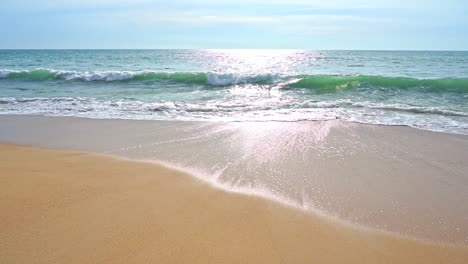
(320, 83)
(330, 83)
(214, 79)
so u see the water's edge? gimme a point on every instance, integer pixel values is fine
(176, 137)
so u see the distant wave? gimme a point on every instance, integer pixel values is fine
(321, 83)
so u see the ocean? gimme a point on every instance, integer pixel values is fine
(421, 89)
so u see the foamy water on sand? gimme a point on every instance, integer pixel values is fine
(400, 180)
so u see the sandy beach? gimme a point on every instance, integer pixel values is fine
(404, 181)
(73, 207)
(77, 190)
(263, 132)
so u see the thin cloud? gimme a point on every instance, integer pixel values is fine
(236, 19)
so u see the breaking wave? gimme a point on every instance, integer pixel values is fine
(321, 83)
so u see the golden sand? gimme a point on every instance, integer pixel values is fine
(69, 207)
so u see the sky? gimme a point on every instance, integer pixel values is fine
(235, 24)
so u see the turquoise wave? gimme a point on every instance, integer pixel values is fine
(321, 83)
(330, 83)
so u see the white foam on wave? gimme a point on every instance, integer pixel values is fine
(81, 75)
(96, 76)
(222, 79)
(3, 74)
(215, 79)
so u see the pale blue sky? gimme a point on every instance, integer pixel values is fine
(295, 24)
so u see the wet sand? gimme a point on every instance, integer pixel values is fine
(73, 207)
(405, 181)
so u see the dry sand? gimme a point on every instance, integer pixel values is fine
(71, 207)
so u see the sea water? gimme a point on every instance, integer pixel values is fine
(422, 89)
